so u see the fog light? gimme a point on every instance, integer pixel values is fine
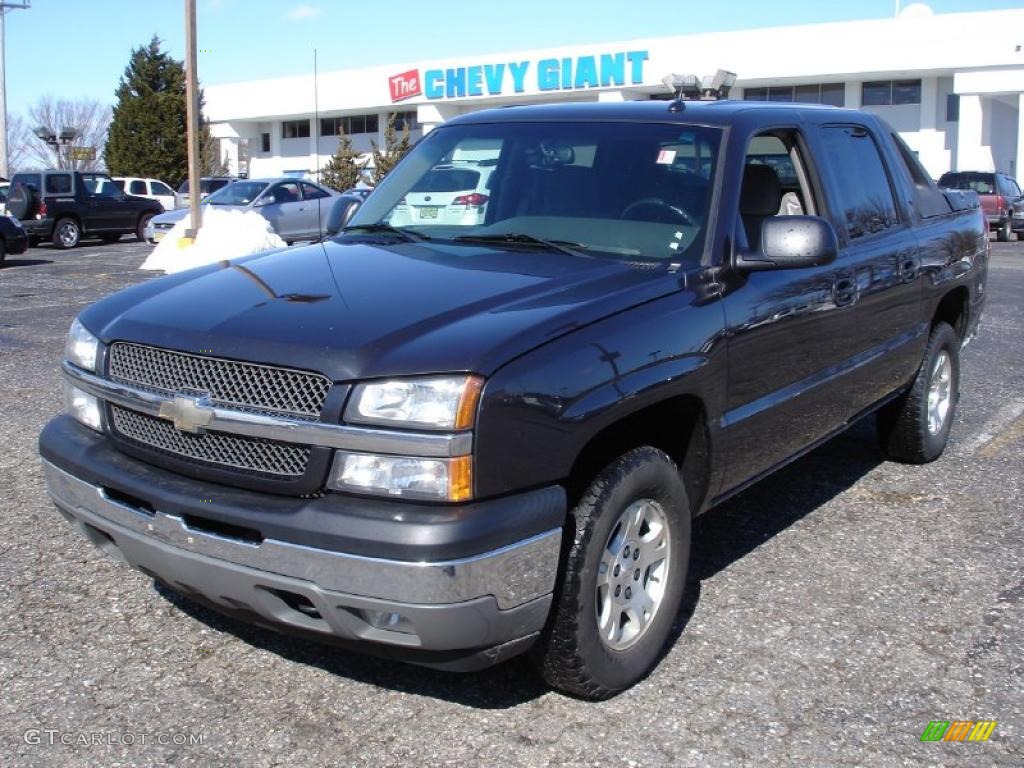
(393, 622)
(83, 407)
(403, 476)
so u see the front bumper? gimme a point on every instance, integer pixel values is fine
(460, 613)
(16, 242)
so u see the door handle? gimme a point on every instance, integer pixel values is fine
(844, 291)
(908, 268)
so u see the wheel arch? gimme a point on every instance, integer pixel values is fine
(677, 426)
(954, 309)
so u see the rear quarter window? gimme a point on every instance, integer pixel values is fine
(58, 184)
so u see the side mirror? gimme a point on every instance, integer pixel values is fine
(791, 242)
(342, 210)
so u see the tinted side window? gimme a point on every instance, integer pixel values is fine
(159, 188)
(862, 183)
(137, 187)
(928, 200)
(58, 184)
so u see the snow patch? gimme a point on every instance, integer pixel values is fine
(223, 235)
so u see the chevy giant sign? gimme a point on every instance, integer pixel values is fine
(565, 74)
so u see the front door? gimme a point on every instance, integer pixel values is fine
(788, 330)
(284, 209)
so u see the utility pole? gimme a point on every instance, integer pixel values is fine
(192, 98)
(5, 170)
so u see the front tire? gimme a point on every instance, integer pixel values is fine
(623, 581)
(915, 427)
(66, 233)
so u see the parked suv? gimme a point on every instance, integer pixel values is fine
(69, 205)
(152, 189)
(998, 192)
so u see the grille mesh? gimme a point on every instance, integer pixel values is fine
(246, 453)
(246, 386)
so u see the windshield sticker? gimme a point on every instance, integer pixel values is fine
(666, 157)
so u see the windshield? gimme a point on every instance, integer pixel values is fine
(627, 190)
(239, 193)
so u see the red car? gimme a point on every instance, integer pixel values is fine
(998, 193)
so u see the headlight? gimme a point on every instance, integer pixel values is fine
(83, 407)
(403, 476)
(436, 402)
(82, 347)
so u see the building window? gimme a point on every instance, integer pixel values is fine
(812, 93)
(264, 142)
(953, 108)
(295, 129)
(881, 93)
(405, 119)
(350, 124)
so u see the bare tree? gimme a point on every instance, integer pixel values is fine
(19, 137)
(90, 119)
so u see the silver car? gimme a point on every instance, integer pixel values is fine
(296, 209)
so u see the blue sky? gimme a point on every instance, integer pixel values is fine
(79, 48)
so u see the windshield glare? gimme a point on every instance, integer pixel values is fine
(239, 193)
(628, 190)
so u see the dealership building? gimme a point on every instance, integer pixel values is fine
(951, 84)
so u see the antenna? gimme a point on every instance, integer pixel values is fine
(316, 139)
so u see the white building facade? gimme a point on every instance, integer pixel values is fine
(951, 84)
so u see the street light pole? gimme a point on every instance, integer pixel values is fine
(192, 113)
(5, 170)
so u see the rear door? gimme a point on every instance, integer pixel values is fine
(879, 259)
(315, 210)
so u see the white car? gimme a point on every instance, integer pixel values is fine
(454, 194)
(153, 189)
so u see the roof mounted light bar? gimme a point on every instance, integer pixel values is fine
(709, 88)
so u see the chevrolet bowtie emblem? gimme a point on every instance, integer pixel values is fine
(188, 413)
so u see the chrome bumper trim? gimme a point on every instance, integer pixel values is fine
(281, 428)
(514, 574)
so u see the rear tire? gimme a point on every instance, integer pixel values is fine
(140, 229)
(613, 611)
(915, 427)
(66, 233)
(1004, 231)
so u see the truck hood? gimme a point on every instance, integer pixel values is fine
(354, 310)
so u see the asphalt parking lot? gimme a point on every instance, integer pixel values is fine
(834, 609)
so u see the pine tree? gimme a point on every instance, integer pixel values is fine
(395, 147)
(210, 161)
(147, 133)
(343, 170)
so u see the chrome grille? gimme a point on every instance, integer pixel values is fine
(216, 448)
(245, 386)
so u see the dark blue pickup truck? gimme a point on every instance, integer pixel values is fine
(479, 421)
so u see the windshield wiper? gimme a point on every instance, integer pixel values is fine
(521, 238)
(385, 229)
